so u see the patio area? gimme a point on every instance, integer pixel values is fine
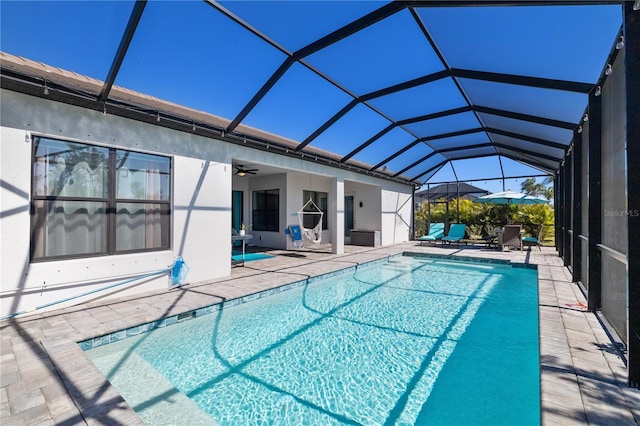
(46, 379)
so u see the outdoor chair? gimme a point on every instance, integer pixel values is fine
(436, 232)
(533, 241)
(456, 233)
(296, 235)
(490, 237)
(511, 237)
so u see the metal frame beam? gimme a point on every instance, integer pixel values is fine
(466, 157)
(442, 152)
(125, 41)
(559, 198)
(576, 208)
(337, 116)
(525, 117)
(566, 217)
(506, 3)
(632, 70)
(594, 129)
(434, 172)
(437, 166)
(527, 138)
(428, 139)
(434, 115)
(528, 162)
(448, 68)
(520, 156)
(368, 142)
(520, 80)
(415, 163)
(528, 152)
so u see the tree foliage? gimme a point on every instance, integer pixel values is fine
(538, 189)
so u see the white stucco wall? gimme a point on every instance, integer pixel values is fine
(367, 217)
(201, 212)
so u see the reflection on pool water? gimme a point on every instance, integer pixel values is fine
(415, 340)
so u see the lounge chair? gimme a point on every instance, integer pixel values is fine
(533, 241)
(456, 233)
(436, 232)
(489, 236)
(296, 235)
(510, 237)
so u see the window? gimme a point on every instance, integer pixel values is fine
(320, 198)
(89, 200)
(266, 210)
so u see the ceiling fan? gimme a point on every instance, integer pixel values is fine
(241, 170)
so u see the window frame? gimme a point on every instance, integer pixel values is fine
(254, 210)
(111, 201)
(316, 196)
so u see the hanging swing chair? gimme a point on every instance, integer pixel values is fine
(313, 234)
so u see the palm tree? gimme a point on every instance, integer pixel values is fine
(531, 187)
(548, 183)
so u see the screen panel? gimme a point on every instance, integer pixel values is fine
(384, 147)
(439, 95)
(547, 103)
(614, 198)
(50, 31)
(480, 152)
(389, 52)
(351, 131)
(477, 168)
(541, 131)
(297, 105)
(446, 124)
(584, 211)
(295, 24)
(529, 146)
(172, 65)
(460, 141)
(517, 30)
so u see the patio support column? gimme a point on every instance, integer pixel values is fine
(567, 211)
(428, 209)
(412, 225)
(337, 213)
(560, 238)
(458, 200)
(632, 47)
(576, 244)
(594, 128)
(561, 208)
(446, 220)
(556, 212)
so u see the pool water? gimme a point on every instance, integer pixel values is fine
(415, 340)
(248, 257)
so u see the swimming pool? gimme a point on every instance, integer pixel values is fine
(414, 340)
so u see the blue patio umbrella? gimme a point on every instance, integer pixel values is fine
(510, 197)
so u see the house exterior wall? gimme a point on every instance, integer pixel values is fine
(201, 202)
(367, 217)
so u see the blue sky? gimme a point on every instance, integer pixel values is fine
(189, 53)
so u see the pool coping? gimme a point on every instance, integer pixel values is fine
(48, 378)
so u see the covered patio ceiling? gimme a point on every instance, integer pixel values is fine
(397, 89)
